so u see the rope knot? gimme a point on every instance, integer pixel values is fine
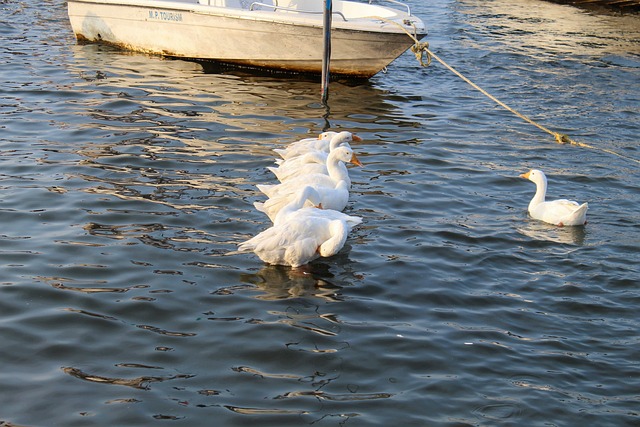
(420, 49)
(561, 138)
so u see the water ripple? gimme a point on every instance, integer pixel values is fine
(143, 382)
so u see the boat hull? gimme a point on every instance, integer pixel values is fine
(261, 39)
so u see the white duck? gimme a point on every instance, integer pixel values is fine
(300, 235)
(333, 188)
(282, 152)
(314, 161)
(323, 143)
(558, 212)
(336, 172)
(331, 199)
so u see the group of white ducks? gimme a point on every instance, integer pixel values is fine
(306, 206)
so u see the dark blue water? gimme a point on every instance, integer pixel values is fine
(126, 181)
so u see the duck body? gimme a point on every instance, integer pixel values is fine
(322, 143)
(331, 198)
(289, 187)
(311, 158)
(300, 235)
(559, 212)
(314, 161)
(310, 163)
(305, 145)
(333, 188)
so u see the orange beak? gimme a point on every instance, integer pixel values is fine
(355, 160)
(356, 138)
(525, 175)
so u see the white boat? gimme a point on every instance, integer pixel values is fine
(284, 35)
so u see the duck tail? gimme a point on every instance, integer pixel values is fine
(259, 206)
(274, 171)
(582, 209)
(265, 188)
(282, 152)
(578, 216)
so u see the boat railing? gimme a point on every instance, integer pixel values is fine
(398, 3)
(290, 9)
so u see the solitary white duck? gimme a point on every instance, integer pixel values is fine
(558, 212)
(323, 143)
(301, 235)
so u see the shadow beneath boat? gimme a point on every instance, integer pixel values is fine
(244, 71)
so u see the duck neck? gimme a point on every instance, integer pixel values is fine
(541, 192)
(338, 231)
(337, 169)
(307, 193)
(336, 142)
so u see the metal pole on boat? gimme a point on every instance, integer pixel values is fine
(326, 52)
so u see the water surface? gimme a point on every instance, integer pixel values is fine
(128, 180)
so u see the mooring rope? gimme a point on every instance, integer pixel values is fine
(421, 48)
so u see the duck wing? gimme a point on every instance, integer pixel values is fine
(560, 212)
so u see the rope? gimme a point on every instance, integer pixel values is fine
(421, 48)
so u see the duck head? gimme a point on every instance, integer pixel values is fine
(346, 154)
(343, 137)
(535, 175)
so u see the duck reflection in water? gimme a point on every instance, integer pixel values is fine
(281, 282)
(563, 235)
